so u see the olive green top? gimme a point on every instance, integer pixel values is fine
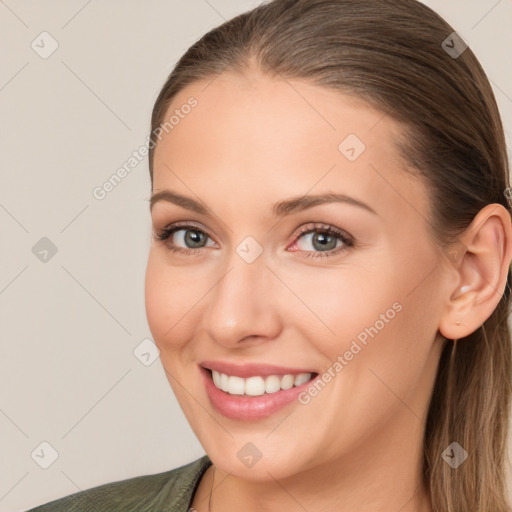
(171, 491)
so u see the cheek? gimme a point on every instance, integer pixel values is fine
(169, 299)
(336, 306)
(384, 335)
(368, 317)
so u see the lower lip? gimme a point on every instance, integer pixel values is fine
(243, 407)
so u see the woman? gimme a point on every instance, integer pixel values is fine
(329, 277)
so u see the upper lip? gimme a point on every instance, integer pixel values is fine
(251, 369)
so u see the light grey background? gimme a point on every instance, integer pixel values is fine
(69, 326)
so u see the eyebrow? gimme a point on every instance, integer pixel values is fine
(280, 209)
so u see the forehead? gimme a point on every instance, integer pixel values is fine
(257, 139)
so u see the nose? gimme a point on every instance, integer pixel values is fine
(244, 304)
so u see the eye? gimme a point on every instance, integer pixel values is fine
(324, 240)
(192, 237)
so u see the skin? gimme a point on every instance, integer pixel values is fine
(249, 143)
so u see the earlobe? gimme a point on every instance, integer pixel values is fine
(482, 272)
(458, 320)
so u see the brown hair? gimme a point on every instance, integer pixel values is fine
(390, 53)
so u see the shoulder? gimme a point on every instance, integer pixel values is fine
(170, 491)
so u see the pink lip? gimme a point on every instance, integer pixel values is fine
(251, 369)
(241, 407)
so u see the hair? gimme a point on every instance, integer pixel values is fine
(390, 54)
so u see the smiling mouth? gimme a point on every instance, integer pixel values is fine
(258, 385)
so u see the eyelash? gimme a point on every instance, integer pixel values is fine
(326, 229)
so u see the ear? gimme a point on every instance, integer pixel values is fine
(481, 258)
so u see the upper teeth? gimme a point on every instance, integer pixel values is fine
(256, 386)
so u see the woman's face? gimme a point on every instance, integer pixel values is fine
(249, 287)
